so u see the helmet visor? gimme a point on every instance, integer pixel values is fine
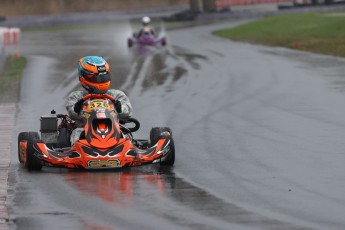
(97, 78)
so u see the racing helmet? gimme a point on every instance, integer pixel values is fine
(146, 20)
(94, 74)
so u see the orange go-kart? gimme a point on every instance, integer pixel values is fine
(105, 143)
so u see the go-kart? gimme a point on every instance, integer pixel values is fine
(105, 143)
(146, 39)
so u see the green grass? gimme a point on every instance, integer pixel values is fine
(314, 32)
(10, 77)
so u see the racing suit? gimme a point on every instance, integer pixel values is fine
(75, 96)
(147, 29)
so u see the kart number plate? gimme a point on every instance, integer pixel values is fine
(98, 104)
(104, 164)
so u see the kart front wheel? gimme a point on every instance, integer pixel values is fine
(156, 132)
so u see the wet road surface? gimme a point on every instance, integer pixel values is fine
(258, 131)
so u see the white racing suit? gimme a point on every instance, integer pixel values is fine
(146, 29)
(75, 96)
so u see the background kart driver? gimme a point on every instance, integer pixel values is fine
(147, 28)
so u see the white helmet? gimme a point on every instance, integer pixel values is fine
(146, 20)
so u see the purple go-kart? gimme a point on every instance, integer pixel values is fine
(146, 39)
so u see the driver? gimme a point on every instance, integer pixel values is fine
(147, 28)
(94, 76)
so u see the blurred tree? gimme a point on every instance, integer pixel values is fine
(206, 5)
(194, 5)
(45, 7)
(209, 5)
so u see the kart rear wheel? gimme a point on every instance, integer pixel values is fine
(169, 159)
(155, 133)
(164, 42)
(129, 42)
(24, 136)
(32, 163)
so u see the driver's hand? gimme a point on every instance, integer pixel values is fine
(78, 106)
(118, 106)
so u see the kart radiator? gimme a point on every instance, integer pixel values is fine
(49, 129)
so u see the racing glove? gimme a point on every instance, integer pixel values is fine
(78, 106)
(118, 106)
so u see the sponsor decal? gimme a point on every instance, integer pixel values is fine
(166, 150)
(101, 68)
(166, 133)
(98, 104)
(104, 164)
(86, 115)
(38, 152)
(113, 114)
(101, 115)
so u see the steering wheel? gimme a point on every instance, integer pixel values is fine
(130, 120)
(98, 96)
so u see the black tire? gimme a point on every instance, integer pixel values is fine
(164, 42)
(155, 133)
(32, 162)
(26, 136)
(129, 43)
(63, 138)
(169, 159)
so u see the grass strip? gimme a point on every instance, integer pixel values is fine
(10, 78)
(314, 32)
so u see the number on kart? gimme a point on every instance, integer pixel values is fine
(97, 104)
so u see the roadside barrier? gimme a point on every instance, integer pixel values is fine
(9, 36)
(222, 4)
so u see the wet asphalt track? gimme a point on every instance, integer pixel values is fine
(259, 135)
